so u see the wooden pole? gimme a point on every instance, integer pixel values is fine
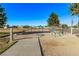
(11, 35)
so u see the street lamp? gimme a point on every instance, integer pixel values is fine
(78, 22)
(72, 26)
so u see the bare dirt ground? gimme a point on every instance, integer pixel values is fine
(67, 45)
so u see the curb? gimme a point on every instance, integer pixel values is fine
(40, 47)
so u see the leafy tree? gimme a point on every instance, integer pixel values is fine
(2, 17)
(8, 26)
(14, 26)
(75, 26)
(26, 26)
(64, 26)
(53, 20)
(74, 10)
(40, 26)
(78, 24)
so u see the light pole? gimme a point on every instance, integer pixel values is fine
(71, 26)
(78, 21)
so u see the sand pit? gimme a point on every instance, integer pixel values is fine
(67, 45)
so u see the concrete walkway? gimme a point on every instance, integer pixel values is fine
(25, 47)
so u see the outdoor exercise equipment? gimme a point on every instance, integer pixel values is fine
(57, 32)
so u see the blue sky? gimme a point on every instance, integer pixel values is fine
(35, 14)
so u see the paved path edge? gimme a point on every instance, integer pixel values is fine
(8, 47)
